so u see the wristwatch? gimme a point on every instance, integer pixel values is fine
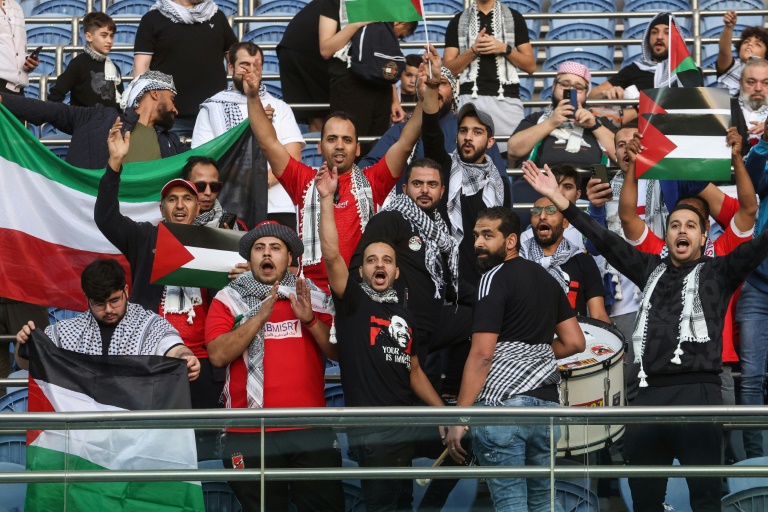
(509, 50)
(598, 124)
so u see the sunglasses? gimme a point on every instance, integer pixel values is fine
(201, 186)
(549, 210)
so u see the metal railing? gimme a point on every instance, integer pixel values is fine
(736, 417)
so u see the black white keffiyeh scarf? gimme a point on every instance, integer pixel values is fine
(111, 74)
(660, 70)
(693, 325)
(469, 179)
(387, 296)
(212, 217)
(571, 133)
(224, 108)
(244, 297)
(503, 24)
(310, 214)
(434, 232)
(138, 333)
(200, 13)
(179, 300)
(552, 264)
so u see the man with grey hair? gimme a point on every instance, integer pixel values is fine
(149, 113)
(750, 108)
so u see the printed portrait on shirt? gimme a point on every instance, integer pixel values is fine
(394, 337)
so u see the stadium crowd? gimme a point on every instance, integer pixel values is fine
(404, 260)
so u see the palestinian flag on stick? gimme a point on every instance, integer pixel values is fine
(681, 63)
(65, 381)
(198, 256)
(384, 10)
(46, 212)
(684, 134)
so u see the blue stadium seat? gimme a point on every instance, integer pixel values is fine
(48, 35)
(678, 497)
(658, 5)
(582, 6)
(228, 7)
(436, 32)
(736, 484)
(725, 5)
(575, 498)
(310, 157)
(218, 497)
(443, 6)
(125, 33)
(15, 401)
(13, 495)
(353, 498)
(274, 88)
(275, 7)
(708, 60)
(47, 65)
(32, 91)
(712, 26)
(13, 449)
(68, 7)
(18, 374)
(334, 395)
(124, 61)
(527, 7)
(271, 33)
(527, 86)
(594, 57)
(130, 7)
(748, 500)
(271, 63)
(461, 498)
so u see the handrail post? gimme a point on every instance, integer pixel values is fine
(696, 32)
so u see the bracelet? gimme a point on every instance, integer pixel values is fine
(597, 125)
(311, 322)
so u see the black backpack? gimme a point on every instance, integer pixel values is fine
(376, 55)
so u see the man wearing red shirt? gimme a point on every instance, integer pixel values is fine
(736, 216)
(271, 330)
(360, 191)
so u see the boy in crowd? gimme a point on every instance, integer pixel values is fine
(407, 85)
(752, 44)
(92, 77)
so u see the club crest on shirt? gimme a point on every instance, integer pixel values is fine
(414, 243)
(237, 461)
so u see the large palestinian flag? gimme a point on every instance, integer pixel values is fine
(46, 209)
(384, 10)
(198, 256)
(684, 133)
(65, 381)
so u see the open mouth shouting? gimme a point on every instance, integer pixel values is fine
(379, 278)
(266, 267)
(682, 245)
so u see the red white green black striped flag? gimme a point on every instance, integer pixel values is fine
(684, 133)
(681, 63)
(384, 10)
(198, 256)
(65, 381)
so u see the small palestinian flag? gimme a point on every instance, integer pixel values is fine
(198, 256)
(684, 134)
(65, 381)
(384, 10)
(681, 63)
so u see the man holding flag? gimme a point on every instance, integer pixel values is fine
(665, 62)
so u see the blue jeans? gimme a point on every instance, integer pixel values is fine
(517, 445)
(752, 317)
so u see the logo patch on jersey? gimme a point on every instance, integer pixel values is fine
(237, 461)
(281, 330)
(414, 243)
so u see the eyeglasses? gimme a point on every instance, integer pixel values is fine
(565, 84)
(113, 303)
(202, 185)
(549, 210)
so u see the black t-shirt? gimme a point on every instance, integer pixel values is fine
(106, 332)
(301, 34)
(192, 54)
(521, 302)
(586, 283)
(487, 77)
(411, 253)
(552, 152)
(632, 75)
(84, 80)
(375, 368)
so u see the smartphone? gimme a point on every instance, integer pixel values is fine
(229, 219)
(600, 171)
(35, 53)
(572, 98)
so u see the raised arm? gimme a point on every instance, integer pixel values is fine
(61, 116)
(725, 45)
(332, 41)
(631, 223)
(277, 156)
(745, 215)
(338, 274)
(617, 251)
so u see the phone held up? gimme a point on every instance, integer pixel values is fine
(572, 98)
(35, 53)
(600, 171)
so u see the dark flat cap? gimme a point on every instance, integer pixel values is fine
(484, 118)
(271, 228)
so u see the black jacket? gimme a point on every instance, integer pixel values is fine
(89, 127)
(136, 240)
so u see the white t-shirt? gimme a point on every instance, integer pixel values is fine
(13, 44)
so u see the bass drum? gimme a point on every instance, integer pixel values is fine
(594, 378)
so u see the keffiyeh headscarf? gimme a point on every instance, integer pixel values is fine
(149, 81)
(503, 24)
(434, 233)
(660, 70)
(200, 13)
(111, 74)
(244, 297)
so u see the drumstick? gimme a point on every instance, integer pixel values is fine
(425, 481)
